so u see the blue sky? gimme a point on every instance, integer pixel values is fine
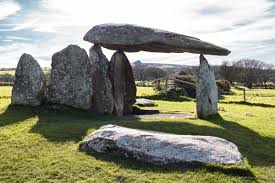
(43, 27)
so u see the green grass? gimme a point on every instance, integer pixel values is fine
(12, 72)
(5, 91)
(41, 144)
(145, 91)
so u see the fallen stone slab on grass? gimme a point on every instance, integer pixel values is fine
(161, 148)
(143, 102)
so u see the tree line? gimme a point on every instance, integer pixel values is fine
(248, 72)
(6, 79)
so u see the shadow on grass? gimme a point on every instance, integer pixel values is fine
(15, 114)
(248, 103)
(134, 164)
(258, 150)
(67, 124)
(163, 97)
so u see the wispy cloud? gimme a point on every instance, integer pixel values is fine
(8, 8)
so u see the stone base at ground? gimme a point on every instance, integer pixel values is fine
(143, 102)
(161, 148)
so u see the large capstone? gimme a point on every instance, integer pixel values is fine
(71, 78)
(133, 38)
(103, 101)
(124, 87)
(161, 148)
(206, 90)
(30, 84)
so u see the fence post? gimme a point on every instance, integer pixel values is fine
(166, 86)
(244, 97)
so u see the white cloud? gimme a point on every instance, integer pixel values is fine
(240, 26)
(8, 8)
(17, 38)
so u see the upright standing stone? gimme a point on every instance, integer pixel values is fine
(71, 78)
(207, 93)
(103, 101)
(29, 85)
(124, 88)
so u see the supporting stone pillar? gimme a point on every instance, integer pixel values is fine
(206, 90)
(71, 75)
(122, 79)
(103, 101)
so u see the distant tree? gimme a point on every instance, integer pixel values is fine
(228, 72)
(139, 71)
(265, 74)
(155, 73)
(7, 78)
(249, 71)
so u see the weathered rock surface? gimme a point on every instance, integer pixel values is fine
(103, 101)
(206, 90)
(71, 78)
(143, 102)
(30, 84)
(123, 82)
(133, 38)
(161, 148)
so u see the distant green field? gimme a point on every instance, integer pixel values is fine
(7, 72)
(40, 144)
(12, 72)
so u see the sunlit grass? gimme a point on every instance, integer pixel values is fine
(12, 72)
(145, 91)
(41, 144)
(5, 91)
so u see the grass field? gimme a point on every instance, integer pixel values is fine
(41, 144)
(12, 72)
(5, 91)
